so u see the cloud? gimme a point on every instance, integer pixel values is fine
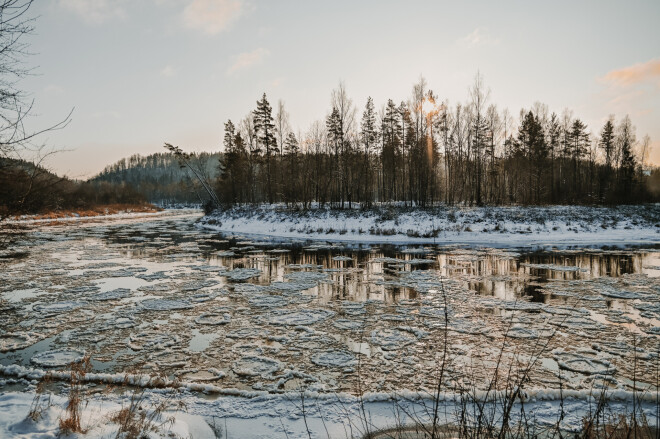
(212, 16)
(168, 71)
(248, 59)
(479, 37)
(95, 11)
(641, 73)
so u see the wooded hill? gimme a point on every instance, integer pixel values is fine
(26, 188)
(160, 177)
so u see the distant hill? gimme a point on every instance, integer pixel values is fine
(26, 188)
(160, 178)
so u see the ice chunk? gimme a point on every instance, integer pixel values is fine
(300, 317)
(164, 304)
(58, 357)
(213, 319)
(256, 366)
(116, 294)
(391, 339)
(334, 358)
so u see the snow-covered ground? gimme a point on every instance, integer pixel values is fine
(293, 415)
(501, 226)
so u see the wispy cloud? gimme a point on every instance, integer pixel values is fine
(212, 16)
(248, 59)
(641, 73)
(95, 11)
(479, 37)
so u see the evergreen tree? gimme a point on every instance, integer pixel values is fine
(368, 128)
(578, 140)
(390, 132)
(554, 134)
(532, 140)
(369, 140)
(626, 140)
(607, 141)
(265, 129)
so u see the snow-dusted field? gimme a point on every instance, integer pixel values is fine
(242, 325)
(494, 226)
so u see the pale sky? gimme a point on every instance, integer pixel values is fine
(143, 72)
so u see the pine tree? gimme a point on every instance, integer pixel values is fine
(369, 139)
(578, 140)
(390, 132)
(265, 128)
(607, 141)
(532, 141)
(554, 134)
(230, 136)
(368, 129)
(626, 140)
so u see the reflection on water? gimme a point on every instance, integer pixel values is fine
(357, 272)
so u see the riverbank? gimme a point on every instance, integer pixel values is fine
(101, 210)
(507, 226)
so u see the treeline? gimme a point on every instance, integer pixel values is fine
(26, 188)
(424, 151)
(160, 178)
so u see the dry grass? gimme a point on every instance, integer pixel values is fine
(71, 422)
(620, 427)
(40, 402)
(109, 209)
(142, 415)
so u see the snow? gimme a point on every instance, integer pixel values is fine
(96, 419)
(255, 415)
(506, 226)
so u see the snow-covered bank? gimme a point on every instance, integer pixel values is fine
(335, 416)
(528, 395)
(96, 418)
(508, 226)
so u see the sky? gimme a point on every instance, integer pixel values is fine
(141, 73)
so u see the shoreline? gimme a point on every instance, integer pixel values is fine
(493, 226)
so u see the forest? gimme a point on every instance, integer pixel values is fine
(28, 188)
(161, 179)
(425, 151)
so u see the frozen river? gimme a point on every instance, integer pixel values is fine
(161, 297)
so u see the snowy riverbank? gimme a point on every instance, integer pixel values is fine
(187, 415)
(506, 226)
